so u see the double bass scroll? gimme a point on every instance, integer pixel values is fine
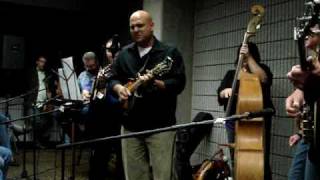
(249, 139)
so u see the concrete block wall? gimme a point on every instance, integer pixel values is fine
(174, 26)
(219, 27)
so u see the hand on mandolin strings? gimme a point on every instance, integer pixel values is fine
(146, 77)
(122, 91)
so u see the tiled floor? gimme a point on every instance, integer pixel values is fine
(49, 165)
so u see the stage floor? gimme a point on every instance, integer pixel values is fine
(49, 165)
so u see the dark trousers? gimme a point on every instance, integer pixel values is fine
(106, 159)
(41, 125)
(106, 162)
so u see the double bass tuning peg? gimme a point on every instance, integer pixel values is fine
(257, 9)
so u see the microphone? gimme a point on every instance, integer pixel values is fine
(246, 115)
(264, 112)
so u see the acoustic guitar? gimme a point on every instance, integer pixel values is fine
(99, 88)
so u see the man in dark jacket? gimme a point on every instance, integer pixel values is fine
(154, 102)
(42, 85)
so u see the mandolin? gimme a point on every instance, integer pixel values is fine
(160, 69)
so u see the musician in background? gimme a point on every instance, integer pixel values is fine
(43, 84)
(156, 105)
(302, 167)
(87, 77)
(105, 118)
(112, 49)
(252, 63)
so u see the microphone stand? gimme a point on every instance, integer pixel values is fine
(32, 91)
(246, 115)
(66, 79)
(24, 173)
(34, 153)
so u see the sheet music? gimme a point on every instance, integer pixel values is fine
(68, 80)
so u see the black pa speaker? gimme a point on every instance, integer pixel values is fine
(13, 52)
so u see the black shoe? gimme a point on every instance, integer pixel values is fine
(40, 146)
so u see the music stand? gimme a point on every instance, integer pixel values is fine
(71, 91)
(68, 80)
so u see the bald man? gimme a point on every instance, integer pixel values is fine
(156, 104)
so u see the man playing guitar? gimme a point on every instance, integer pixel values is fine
(296, 100)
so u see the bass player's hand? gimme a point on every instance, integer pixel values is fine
(226, 93)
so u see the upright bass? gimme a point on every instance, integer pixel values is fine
(247, 94)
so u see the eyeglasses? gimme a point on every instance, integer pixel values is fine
(42, 61)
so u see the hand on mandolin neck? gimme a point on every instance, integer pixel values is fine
(140, 80)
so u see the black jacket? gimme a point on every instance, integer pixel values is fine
(266, 87)
(156, 108)
(33, 86)
(227, 83)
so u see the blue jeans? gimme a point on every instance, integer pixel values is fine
(5, 152)
(301, 167)
(5, 158)
(4, 135)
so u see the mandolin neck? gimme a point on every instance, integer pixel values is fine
(133, 86)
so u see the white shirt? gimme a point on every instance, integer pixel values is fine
(143, 51)
(42, 93)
